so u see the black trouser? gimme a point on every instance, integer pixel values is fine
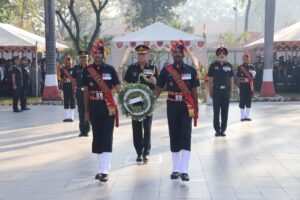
(180, 126)
(245, 95)
(221, 103)
(69, 100)
(84, 127)
(142, 142)
(16, 98)
(102, 126)
(23, 98)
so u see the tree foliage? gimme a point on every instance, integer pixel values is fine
(150, 11)
(74, 27)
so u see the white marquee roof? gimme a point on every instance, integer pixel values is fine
(288, 34)
(157, 34)
(11, 36)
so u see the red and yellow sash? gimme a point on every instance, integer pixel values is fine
(108, 97)
(244, 70)
(66, 72)
(192, 109)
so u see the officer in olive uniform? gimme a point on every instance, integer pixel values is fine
(220, 75)
(181, 107)
(144, 73)
(17, 83)
(68, 87)
(84, 126)
(99, 79)
(245, 74)
(26, 83)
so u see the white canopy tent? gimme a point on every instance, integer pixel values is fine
(286, 39)
(157, 36)
(13, 39)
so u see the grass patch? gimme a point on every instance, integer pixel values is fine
(30, 100)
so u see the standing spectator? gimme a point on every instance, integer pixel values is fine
(17, 83)
(26, 80)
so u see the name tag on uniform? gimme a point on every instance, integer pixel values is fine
(148, 71)
(186, 76)
(135, 100)
(227, 69)
(178, 97)
(106, 76)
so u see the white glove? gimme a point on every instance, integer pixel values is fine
(253, 73)
(238, 90)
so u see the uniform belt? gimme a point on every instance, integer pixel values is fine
(96, 95)
(80, 89)
(66, 80)
(244, 80)
(221, 87)
(176, 96)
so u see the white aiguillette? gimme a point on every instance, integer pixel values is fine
(148, 72)
(135, 100)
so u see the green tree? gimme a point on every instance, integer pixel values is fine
(73, 25)
(150, 11)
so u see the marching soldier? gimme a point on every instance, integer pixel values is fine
(146, 74)
(246, 73)
(68, 87)
(98, 80)
(181, 82)
(26, 83)
(220, 75)
(17, 83)
(84, 126)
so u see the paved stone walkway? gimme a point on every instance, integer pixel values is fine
(42, 158)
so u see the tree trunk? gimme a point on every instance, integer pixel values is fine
(267, 89)
(51, 90)
(247, 15)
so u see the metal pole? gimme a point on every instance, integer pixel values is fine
(235, 28)
(36, 73)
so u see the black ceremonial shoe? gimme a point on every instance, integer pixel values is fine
(65, 120)
(248, 119)
(175, 175)
(185, 177)
(17, 111)
(83, 135)
(139, 158)
(70, 120)
(242, 120)
(222, 134)
(98, 175)
(26, 108)
(217, 134)
(145, 158)
(103, 178)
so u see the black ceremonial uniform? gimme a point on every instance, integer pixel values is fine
(244, 86)
(84, 127)
(180, 123)
(69, 99)
(17, 71)
(221, 75)
(142, 143)
(102, 123)
(26, 84)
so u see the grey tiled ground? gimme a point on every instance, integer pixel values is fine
(42, 158)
